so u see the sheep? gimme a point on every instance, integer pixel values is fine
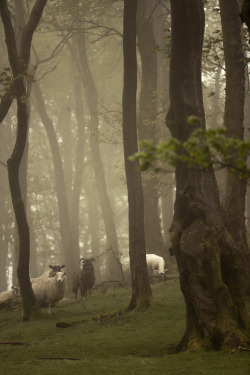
(52, 272)
(48, 291)
(155, 264)
(10, 294)
(84, 278)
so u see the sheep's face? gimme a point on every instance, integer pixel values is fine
(88, 264)
(57, 268)
(60, 276)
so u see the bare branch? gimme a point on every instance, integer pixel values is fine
(109, 29)
(56, 50)
(1, 163)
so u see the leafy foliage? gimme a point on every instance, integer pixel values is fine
(203, 149)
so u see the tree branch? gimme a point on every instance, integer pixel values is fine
(5, 105)
(30, 28)
(10, 37)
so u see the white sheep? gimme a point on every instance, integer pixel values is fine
(155, 264)
(10, 294)
(49, 291)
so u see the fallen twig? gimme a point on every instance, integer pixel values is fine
(13, 343)
(61, 358)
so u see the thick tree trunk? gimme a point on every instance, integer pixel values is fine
(141, 291)
(147, 123)
(233, 206)
(247, 125)
(200, 242)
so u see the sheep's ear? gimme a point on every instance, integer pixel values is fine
(62, 266)
(82, 260)
(51, 267)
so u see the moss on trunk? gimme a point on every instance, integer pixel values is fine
(202, 251)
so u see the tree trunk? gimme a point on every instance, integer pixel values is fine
(167, 208)
(4, 228)
(141, 291)
(105, 204)
(28, 298)
(247, 125)
(200, 242)
(79, 156)
(60, 186)
(19, 64)
(233, 206)
(147, 123)
(93, 223)
(78, 174)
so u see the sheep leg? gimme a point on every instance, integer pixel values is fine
(54, 305)
(55, 308)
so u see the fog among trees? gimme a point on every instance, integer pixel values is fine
(82, 83)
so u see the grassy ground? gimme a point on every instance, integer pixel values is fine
(118, 344)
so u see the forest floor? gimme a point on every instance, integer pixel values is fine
(95, 337)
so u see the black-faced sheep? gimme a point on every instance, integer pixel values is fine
(10, 294)
(52, 271)
(84, 278)
(155, 264)
(48, 291)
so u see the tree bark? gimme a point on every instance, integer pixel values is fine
(141, 291)
(79, 164)
(93, 224)
(233, 206)
(105, 204)
(200, 242)
(19, 65)
(60, 186)
(147, 124)
(79, 156)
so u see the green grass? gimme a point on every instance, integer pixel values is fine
(126, 344)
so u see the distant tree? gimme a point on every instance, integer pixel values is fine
(60, 185)
(91, 94)
(141, 291)
(19, 62)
